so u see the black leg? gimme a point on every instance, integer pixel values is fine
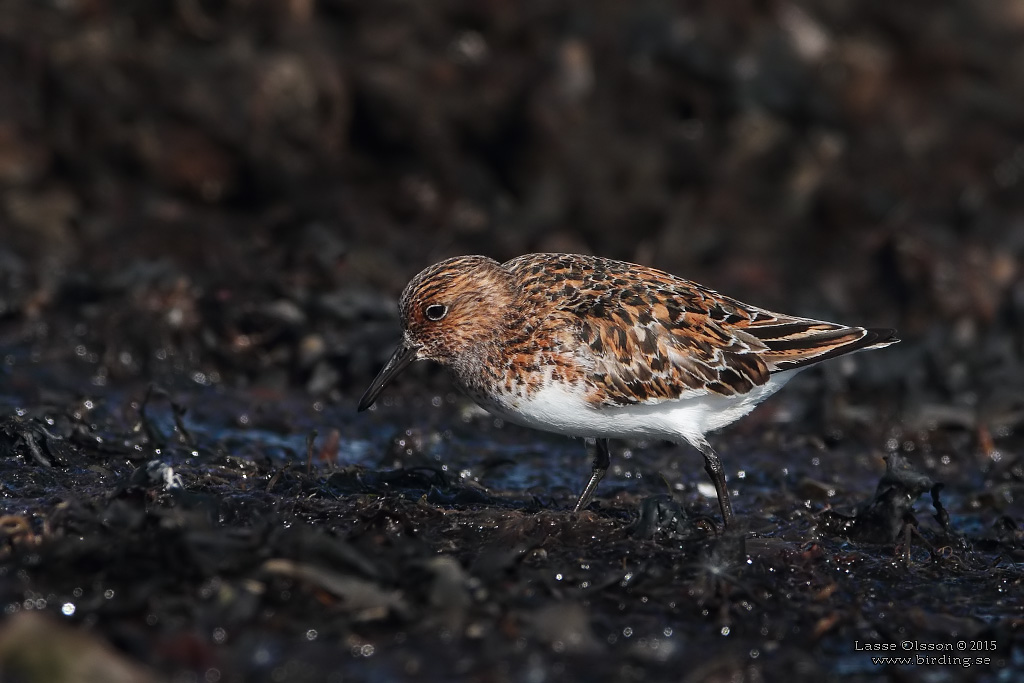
(713, 466)
(602, 459)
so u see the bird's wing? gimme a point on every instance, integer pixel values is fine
(646, 336)
(664, 351)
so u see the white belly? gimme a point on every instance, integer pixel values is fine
(563, 410)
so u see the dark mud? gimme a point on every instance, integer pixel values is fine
(208, 209)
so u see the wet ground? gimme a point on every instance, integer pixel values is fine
(208, 210)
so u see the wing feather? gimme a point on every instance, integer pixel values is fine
(646, 336)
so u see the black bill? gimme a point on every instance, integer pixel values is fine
(403, 356)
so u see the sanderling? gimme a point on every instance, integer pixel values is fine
(591, 347)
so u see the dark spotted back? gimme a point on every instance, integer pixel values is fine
(645, 336)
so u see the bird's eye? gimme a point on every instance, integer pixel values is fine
(435, 312)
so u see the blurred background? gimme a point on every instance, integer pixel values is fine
(241, 188)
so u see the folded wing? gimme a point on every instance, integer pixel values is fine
(648, 344)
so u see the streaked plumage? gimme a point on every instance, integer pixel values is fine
(592, 347)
